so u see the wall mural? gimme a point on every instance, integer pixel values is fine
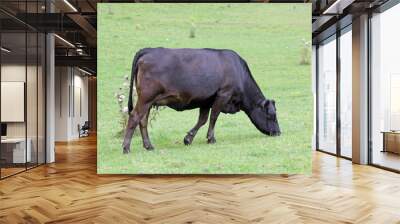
(204, 88)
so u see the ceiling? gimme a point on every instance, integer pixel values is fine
(75, 22)
(330, 15)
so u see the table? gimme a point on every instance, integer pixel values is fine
(13, 150)
(391, 141)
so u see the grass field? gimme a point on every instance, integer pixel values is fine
(270, 37)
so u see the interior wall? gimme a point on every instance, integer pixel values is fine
(80, 109)
(16, 72)
(71, 102)
(62, 81)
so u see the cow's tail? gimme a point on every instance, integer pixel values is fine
(134, 77)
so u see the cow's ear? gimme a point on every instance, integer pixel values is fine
(261, 104)
(266, 103)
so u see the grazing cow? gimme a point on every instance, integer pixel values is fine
(184, 79)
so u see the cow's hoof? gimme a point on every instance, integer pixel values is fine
(126, 150)
(211, 140)
(188, 140)
(149, 147)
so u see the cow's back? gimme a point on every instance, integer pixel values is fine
(193, 75)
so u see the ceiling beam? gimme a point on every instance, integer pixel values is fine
(321, 23)
(84, 24)
(337, 7)
(79, 61)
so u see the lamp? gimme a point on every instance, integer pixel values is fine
(70, 5)
(5, 50)
(64, 40)
(84, 71)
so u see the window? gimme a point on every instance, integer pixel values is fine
(327, 95)
(346, 92)
(385, 89)
(22, 98)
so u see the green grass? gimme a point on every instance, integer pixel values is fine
(270, 37)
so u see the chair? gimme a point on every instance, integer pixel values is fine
(84, 130)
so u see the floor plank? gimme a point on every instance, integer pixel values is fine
(70, 191)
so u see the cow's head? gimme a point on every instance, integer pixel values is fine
(265, 119)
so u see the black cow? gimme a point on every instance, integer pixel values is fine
(185, 79)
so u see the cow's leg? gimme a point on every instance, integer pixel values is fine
(219, 102)
(143, 130)
(134, 119)
(203, 116)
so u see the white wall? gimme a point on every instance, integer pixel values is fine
(17, 73)
(70, 83)
(62, 82)
(34, 125)
(79, 117)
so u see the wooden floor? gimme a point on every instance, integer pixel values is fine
(10, 171)
(70, 191)
(387, 159)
